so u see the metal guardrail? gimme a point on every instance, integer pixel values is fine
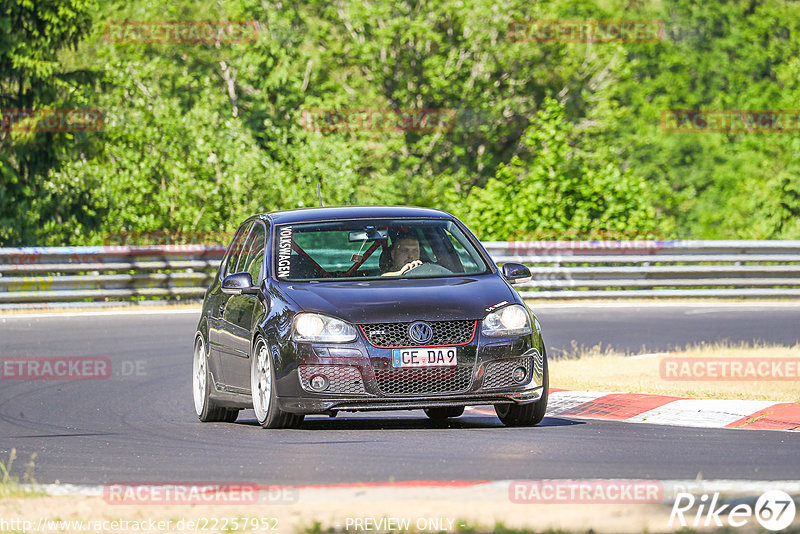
(624, 269)
(105, 273)
(31, 277)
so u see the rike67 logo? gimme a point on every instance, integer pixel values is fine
(774, 510)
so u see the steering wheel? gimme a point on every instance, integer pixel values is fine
(427, 269)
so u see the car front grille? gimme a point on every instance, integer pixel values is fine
(343, 379)
(499, 373)
(423, 380)
(388, 335)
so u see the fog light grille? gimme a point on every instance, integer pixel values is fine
(500, 373)
(343, 379)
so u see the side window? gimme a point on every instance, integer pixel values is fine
(236, 249)
(255, 253)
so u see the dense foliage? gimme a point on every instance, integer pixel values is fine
(537, 138)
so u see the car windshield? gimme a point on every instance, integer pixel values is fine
(374, 249)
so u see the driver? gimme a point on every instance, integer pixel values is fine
(404, 253)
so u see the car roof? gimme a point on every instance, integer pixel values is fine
(351, 212)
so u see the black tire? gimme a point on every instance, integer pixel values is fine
(206, 409)
(440, 414)
(262, 390)
(530, 414)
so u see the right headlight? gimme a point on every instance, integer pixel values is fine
(321, 328)
(508, 321)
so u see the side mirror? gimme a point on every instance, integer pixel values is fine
(239, 284)
(516, 273)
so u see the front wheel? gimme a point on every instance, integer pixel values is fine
(530, 414)
(262, 388)
(205, 408)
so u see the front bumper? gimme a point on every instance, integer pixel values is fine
(362, 377)
(313, 405)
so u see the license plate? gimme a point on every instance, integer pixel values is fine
(424, 357)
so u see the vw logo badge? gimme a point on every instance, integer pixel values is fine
(420, 332)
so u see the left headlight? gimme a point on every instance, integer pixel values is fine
(509, 321)
(321, 328)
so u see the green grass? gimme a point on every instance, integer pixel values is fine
(10, 485)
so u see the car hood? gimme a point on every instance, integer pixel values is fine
(404, 299)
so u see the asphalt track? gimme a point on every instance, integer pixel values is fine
(139, 426)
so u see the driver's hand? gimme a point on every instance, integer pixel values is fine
(410, 265)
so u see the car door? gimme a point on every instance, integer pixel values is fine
(238, 315)
(218, 339)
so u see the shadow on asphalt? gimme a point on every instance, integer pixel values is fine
(557, 421)
(410, 423)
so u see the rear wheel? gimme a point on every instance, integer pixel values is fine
(440, 414)
(206, 409)
(530, 414)
(262, 387)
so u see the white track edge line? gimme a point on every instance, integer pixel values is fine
(689, 485)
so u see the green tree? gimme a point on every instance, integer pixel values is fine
(556, 185)
(32, 78)
(715, 56)
(199, 135)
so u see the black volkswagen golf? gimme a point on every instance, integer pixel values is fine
(321, 310)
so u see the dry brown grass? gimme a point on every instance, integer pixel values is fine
(600, 369)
